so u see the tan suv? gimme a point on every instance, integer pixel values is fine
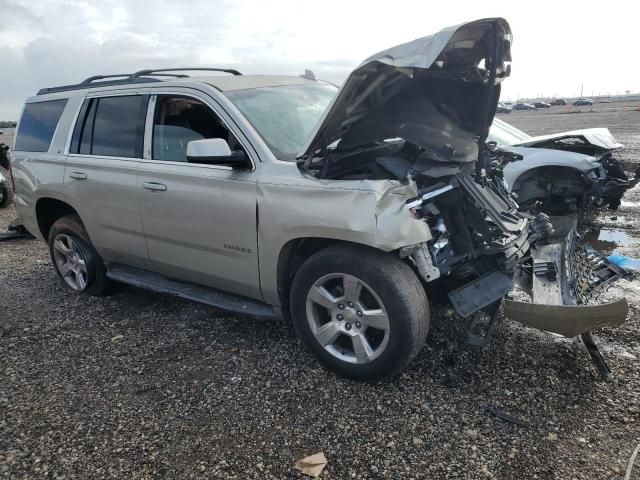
(287, 197)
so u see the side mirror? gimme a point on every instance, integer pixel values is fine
(214, 151)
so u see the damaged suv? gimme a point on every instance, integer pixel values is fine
(284, 197)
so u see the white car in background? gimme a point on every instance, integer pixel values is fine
(563, 172)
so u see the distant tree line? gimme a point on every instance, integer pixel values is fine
(7, 124)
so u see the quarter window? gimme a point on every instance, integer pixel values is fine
(179, 120)
(111, 126)
(38, 124)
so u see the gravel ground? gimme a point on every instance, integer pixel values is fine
(140, 385)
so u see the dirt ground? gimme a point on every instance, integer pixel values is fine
(140, 385)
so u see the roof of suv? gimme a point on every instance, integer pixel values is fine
(224, 83)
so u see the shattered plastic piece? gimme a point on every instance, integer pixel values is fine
(312, 465)
(481, 292)
(117, 337)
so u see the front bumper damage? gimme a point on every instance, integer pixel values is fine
(609, 183)
(563, 277)
(566, 281)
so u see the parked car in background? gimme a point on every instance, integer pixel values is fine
(582, 102)
(541, 104)
(524, 106)
(563, 172)
(503, 108)
(559, 102)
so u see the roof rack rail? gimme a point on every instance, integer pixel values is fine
(141, 76)
(196, 69)
(86, 81)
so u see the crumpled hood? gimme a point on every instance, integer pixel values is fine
(438, 92)
(597, 137)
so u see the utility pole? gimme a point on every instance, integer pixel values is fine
(581, 89)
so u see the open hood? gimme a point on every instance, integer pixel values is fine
(588, 140)
(438, 93)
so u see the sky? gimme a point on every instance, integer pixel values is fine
(559, 47)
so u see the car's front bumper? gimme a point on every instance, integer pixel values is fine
(566, 281)
(608, 184)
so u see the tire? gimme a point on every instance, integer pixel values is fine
(388, 289)
(69, 245)
(6, 195)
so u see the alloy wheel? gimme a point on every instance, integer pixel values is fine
(347, 318)
(71, 262)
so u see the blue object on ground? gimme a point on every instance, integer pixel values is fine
(627, 263)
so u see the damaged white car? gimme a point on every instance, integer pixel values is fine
(563, 173)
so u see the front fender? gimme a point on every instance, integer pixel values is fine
(366, 212)
(543, 157)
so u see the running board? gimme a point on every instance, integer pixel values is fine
(157, 283)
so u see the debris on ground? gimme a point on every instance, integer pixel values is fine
(15, 230)
(312, 465)
(506, 417)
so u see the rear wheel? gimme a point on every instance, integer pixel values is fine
(75, 259)
(362, 312)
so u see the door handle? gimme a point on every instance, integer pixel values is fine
(78, 175)
(154, 186)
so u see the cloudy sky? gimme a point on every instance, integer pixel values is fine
(558, 46)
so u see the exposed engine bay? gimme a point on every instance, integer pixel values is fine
(425, 119)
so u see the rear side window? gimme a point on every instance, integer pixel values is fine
(37, 125)
(111, 126)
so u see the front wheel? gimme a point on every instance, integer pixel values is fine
(364, 313)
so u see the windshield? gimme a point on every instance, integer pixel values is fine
(504, 134)
(284, 116)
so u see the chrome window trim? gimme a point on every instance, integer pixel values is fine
(159, 162)
(105, 157)
(198, 165)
